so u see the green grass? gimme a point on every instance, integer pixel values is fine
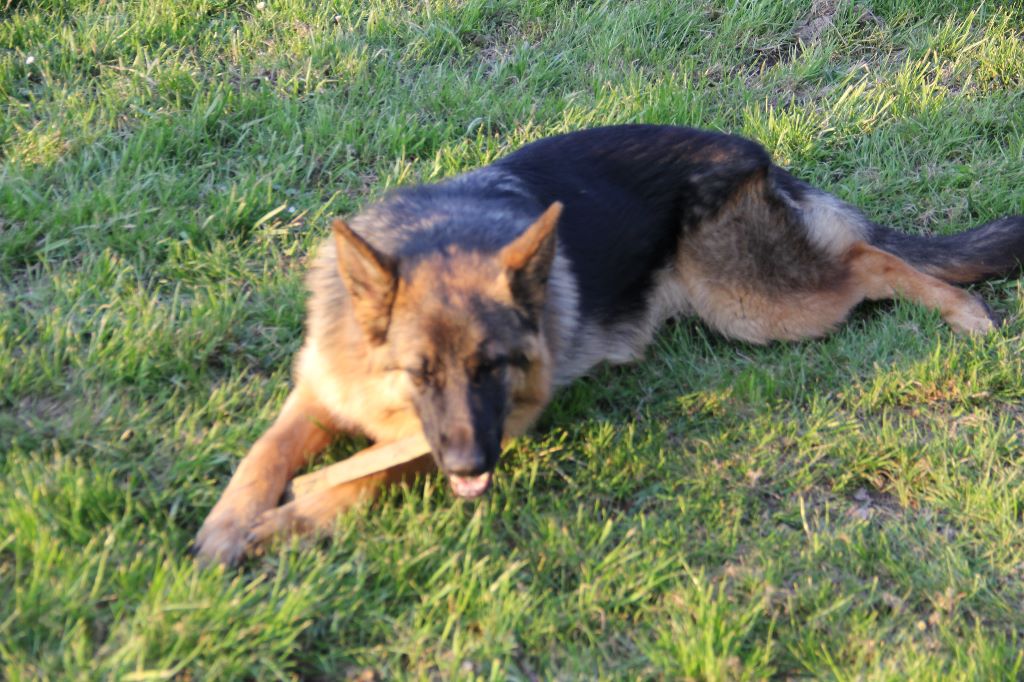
(844, 509)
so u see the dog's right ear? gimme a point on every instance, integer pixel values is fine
(370, 278)
(528, 259)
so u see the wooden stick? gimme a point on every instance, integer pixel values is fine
(363, 463)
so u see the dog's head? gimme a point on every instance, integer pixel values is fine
(465, 328)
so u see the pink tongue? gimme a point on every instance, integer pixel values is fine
(470, 486)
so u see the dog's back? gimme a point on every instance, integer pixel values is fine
(662, 220)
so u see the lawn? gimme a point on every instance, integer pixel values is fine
(850, 508)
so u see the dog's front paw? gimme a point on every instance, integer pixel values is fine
(221, 540)
(279, 522)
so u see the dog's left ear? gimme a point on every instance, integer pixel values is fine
(370, 278)
(528, 259)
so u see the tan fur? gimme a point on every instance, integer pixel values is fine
(743, 312)
(360, 383)
(302, 429)
(881, 275)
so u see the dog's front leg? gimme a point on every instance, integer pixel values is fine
(316, 512)
(301, 430)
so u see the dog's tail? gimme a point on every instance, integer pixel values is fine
(995, 249)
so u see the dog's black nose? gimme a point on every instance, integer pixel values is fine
(460, 453)
(463, 460)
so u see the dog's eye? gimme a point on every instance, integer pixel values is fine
(518, 360)
(423, 375)
(488, 366)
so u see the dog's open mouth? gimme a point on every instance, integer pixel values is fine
(468, 487)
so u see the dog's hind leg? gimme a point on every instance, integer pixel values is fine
(879, 275)
(301, 430)
(783, 261)
(761, 314)
(318, 511)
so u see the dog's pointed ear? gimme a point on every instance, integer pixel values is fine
(528, 259)
(370, 278)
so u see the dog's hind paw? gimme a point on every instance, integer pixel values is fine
(976, 317)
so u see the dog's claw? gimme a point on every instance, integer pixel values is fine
(275, 524)
(253, 544)
(996, 319)
(265, 527)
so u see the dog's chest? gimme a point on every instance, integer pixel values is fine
(377, 405)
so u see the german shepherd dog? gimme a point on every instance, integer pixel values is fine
(455, 309)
